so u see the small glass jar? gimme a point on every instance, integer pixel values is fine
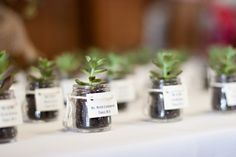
(77, 113)
(7, 134)
(31, 109)
(157, 109)
(219, 101)
(124, 91)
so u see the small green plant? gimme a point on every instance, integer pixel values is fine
(6, 72)
(168, 64)
(93, 67)
(95, 53)
(68, 63)
(43, 71)
(222, 60)
(139, 56)
(4, 63)
(118, 66)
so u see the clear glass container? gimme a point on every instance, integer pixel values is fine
(7, 134)
(122, 106)
(157, 109)
(32, 114)
(219, 101)
(76, 118)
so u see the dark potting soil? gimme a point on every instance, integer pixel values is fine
(7, 133)
(82, 120)
(157, 109)
(32, 113)
(122, 106)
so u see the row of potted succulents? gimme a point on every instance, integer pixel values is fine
(44, 96)
(105, 88)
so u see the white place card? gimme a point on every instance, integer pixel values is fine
(101, 105)
(175, 97)
(230, 92)
(10, 113)
(123, 90)
(48, 99)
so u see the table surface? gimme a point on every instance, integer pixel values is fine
(202, 132)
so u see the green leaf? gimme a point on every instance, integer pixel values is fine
(92, 78)
(93, 66)
(82, 83)
(168, 63)
(100, 71)
(88, 58)
(45, 68)
(222, 60)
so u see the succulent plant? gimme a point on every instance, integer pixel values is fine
(95, 53)
(6, 72)
(222, 60)
(43, 71)
(168, 63)
(118, 66)
(93, 67)
(68, 63)
(139, 56)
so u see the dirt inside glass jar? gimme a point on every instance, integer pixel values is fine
(31, 110)
(7, 134)
(122, 106)
(80, 112)
(157, 109)
(219, 101)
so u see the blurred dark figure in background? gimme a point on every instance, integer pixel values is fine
(13, 36)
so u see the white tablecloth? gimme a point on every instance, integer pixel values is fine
(201, 132)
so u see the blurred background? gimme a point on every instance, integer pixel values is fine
(32, 28)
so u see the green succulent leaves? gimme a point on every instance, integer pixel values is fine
(139, 56)
(43, 71)
(4, 63)
(6, 72)
(222, 60)
(68, 62)
(168, 64)
(118, 66)
(94, 66)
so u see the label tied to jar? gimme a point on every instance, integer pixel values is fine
(101, 105)
(10, 113)
(48, 99)
(230, 92)
(175, 97)
(123, 90)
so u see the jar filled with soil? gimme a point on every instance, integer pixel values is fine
(10, 116)
(44, 100)
(222, 88)
(78, 110)
(157, 108)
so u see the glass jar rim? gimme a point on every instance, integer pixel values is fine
(76, 86)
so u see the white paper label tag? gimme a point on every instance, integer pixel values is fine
(10, 113)
(175, 97)
(230, 92)
(123, 90)
(48, 99)
(101, 105)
